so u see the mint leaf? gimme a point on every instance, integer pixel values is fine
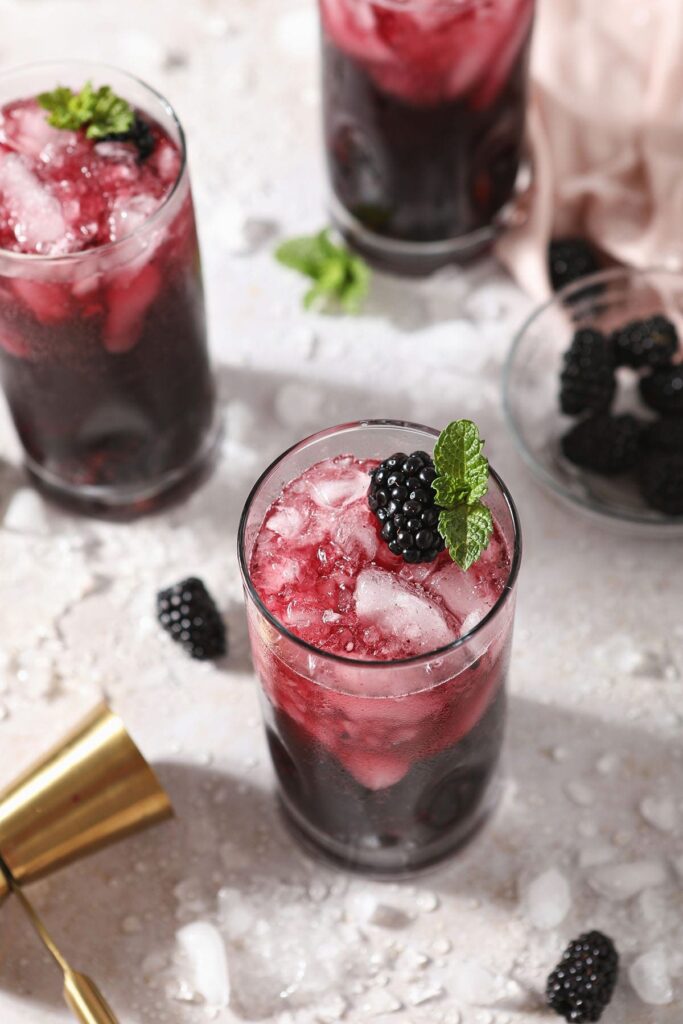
(339, 277)
(462, 470)
(467, 530)
(98, 112)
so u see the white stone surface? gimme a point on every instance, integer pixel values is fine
(76, 618)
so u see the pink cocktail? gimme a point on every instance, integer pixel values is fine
(424, 113)
(383, 682)
(103, 352)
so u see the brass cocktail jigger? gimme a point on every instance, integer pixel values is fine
(95, 787)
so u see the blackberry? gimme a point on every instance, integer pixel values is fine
(663, 390)
(650, 342)
(665, 435)
(402, 498)
(140, 134)
(570, 259)
(582, 984)
(661, 482)
(189, 615)
(604, 444)
(587, 381)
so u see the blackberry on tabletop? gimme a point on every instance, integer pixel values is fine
(402, 499)
(189, 615)
(582, 985)
(604, 444)
(587, 380)
(652, 342)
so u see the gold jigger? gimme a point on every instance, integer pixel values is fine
(95, 787)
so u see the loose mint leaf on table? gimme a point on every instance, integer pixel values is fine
(462, 480)
(338, 275)
(99, 112)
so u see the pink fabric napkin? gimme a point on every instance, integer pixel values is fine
(606, 128)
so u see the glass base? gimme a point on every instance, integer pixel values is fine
(388, 862)
(127, 502)
(418, 259)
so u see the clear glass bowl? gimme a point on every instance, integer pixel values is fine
(605, 301)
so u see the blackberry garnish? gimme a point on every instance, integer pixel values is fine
(663, 390)
(570, 259)
(650, 342)
(582, 984)
(661, 482)
(402, 498)
(587, 381)
(665, 435)
(604, 444)
(140, 134)
(189, 615)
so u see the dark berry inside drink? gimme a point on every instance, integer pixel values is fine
(385, 737)
(102, 336)
(424, 111)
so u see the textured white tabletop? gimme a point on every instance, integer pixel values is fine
(594, 756)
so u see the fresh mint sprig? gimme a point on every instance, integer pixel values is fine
(338, 275)
(465, 522)
(100, 112)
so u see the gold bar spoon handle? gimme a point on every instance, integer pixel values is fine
(80, 993)
(86, 1001)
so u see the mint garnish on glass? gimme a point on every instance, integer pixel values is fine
(98, 112)
(338, 275)
(462, 480)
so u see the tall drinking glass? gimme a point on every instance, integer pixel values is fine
(103, 350)
(424, 114)
(385, 764)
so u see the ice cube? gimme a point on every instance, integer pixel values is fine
(25, 128)
(399, 611)
(650, 978)
(548, 899)
(660, 812)
(475, 984)
(203, 945)
(354, 535)
(26, 513)
(623, 881)
(339, 487)
(129, 213)
(288, 522)
(129, 299)
(39, 225)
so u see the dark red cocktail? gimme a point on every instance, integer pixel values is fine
(383, 682)
(424, 112)
(102, 337)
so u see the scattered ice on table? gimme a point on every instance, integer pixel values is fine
(623, 881)
(607, 764)
(475, 984)
(378, 1001)
(548, 899)
(427, 901)
(203, 946)
(331, 1010)
(579, 793)
(660, 812)
(26, 513)
(595, 854)
(426, 991)
(650, 978)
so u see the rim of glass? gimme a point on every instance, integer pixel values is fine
(414, 659)
(560, 300)
(412, 5)
(34, 257)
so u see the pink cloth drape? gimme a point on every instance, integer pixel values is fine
(606, 127)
